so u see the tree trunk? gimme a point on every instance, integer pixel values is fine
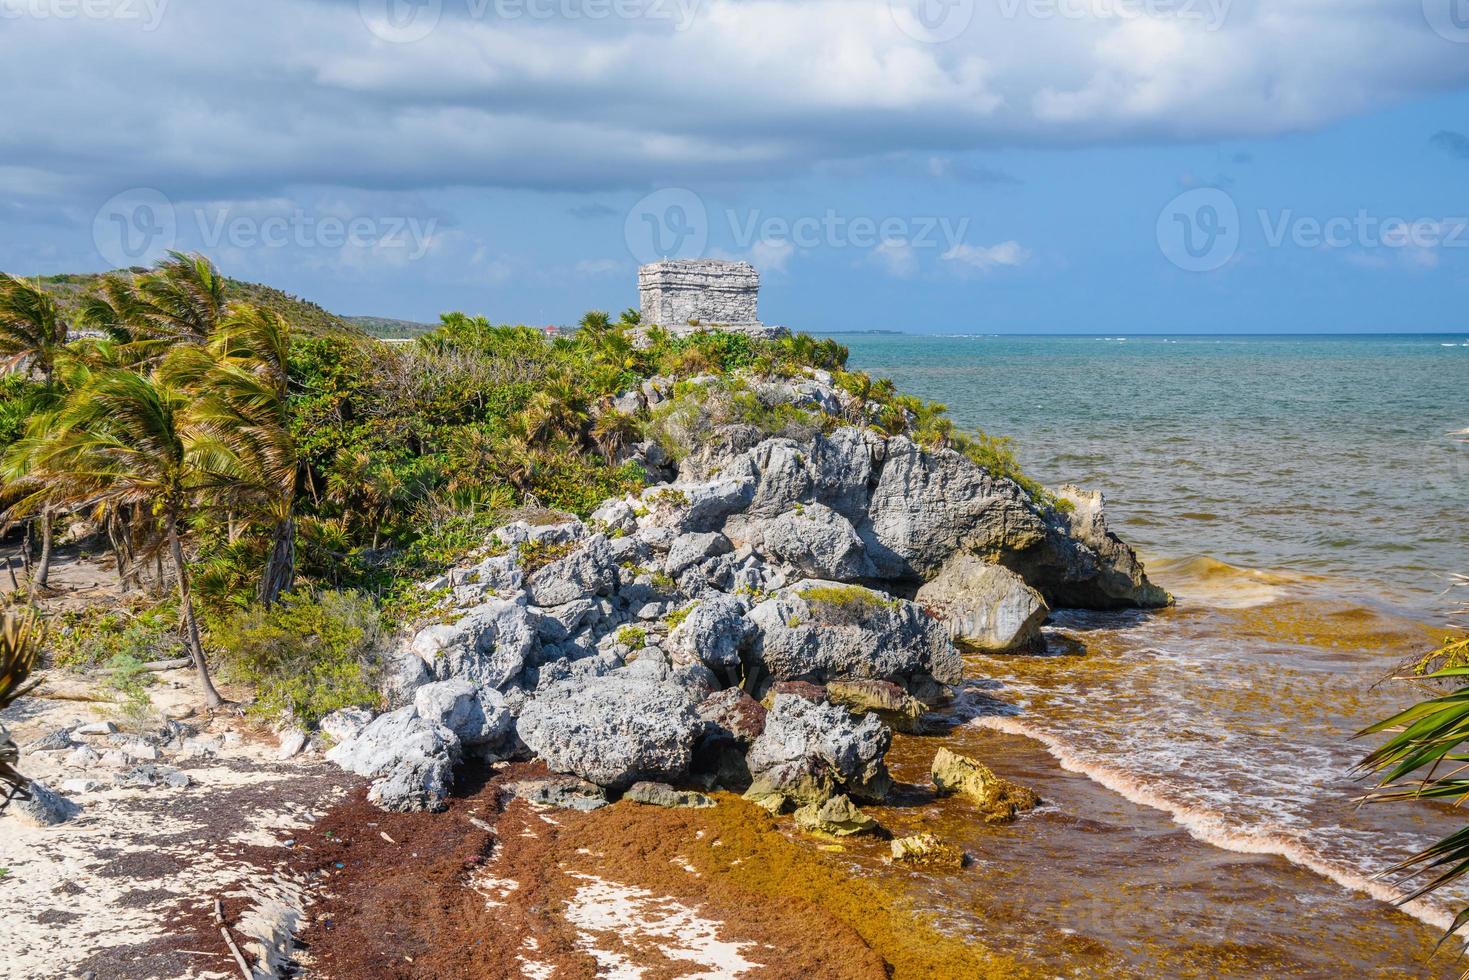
(280, 564)
(43, 565)
(191, 625)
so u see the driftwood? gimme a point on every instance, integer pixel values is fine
(173, 664)
(230, 941)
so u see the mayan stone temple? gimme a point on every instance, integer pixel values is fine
(682, 295)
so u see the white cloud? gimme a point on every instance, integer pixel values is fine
(599, 267)
(771, 256)
(897, 258)
(986, 258)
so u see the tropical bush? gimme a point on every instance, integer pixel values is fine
(308, 655)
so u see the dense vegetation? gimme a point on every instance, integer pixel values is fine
(288, 478)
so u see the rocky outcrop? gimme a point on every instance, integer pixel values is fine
(820, 631)
(661, 794)
(927, 851)
(985, 606)
(630, 647)
(614, 730)
(811, 751)
(999, 800)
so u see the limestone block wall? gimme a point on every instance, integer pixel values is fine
(675, 291)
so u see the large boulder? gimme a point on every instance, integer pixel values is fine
(614, 730)
(477, 715)
(1081, 563)
(818, 541)
(984, 605)
(40, 806)
(809, 752)
(410, 760)
(488, 645)
(713, 632)
(928, 504)
(697, 506)
(588, 571)
(820, 631)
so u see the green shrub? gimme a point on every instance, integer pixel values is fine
(131, 682)
(536, 555)
(675, 619)
(634, 637)
(93, 636)
(845, 605)
(313, 653)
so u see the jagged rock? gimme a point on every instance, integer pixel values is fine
(801, 689)
(82, 757)
(589, 571)
(985, 605)
(477, 715)
(488, 645)
(344, 723)
(927, 851)
(713, 633)
(661, 794)
(1081, 563)
(150, 776)
(841, 470)
(59, 740)
(818, 541)
(887, 700)
(41, 806)
(410, 760)
(1000, 800)
(836, 817)
(616, 516)
(734, 715)
(404, 672)
(827, 630)
(291, 741)
(692, 549)
(613, 730)
(686, 507)
(95, 728)
(564, 792)
(929, 504)
(809, 752)
(556, 624)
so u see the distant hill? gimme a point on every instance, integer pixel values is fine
(382, 326)
(302, 314)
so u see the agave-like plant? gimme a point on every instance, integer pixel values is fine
(1427, 758)
(20, 646)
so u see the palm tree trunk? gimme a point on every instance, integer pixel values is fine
(191, 625)
(43, 566)
(280, 564)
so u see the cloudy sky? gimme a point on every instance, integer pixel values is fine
(934, 165)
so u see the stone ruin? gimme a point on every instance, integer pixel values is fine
(683, 295)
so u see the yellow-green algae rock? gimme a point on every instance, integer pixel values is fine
(927, 851)
(837, 817)
(1000, 800)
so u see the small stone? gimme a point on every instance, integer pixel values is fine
(566, 792)
(80, 786)
(292, 741)
(58, 741)
(661, 794)
(927, 851)
(151, 776)
(1000, 800)
(837, 817)
(96, 728)
(82, 757)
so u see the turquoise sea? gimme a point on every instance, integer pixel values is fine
(1305, 499)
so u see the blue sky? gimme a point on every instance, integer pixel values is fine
(922, 165)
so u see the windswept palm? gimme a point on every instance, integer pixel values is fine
(129, 439)
(32, 327)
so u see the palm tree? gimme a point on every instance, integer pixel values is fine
(20, 646)
(32, 327)
(132, 439)
(613, 431)
(242, 380)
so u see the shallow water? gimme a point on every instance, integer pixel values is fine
(1302, 498)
